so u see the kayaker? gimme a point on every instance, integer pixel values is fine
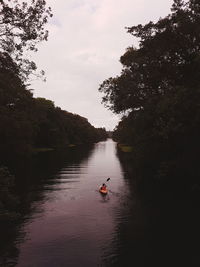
(103, 187)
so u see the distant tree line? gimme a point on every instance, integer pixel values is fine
(158, 94)
(28, 122)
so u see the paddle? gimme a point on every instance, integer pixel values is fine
(107, 180)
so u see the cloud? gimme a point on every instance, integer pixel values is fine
(87, 38)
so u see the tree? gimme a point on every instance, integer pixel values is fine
(21, 28)
(167, 57)
(16, 109)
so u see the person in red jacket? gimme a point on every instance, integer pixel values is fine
(103, 187)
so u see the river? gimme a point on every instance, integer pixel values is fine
(67, 222)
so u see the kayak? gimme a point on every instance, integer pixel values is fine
(104, 192)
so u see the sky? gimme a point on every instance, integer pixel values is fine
(86, 40)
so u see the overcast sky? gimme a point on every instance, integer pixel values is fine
(86, 40)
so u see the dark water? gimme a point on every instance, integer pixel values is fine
(67, 222)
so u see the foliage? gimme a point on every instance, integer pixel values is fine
(16, 103)
(59, 128)
(159, 89)
(21, 28)
(101, 133)
(28, 122)
(8, 202)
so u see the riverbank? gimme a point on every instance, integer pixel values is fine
(125, 148)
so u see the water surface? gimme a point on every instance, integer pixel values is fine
(73, 224)
(67, 222)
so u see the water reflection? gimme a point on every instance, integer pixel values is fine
(67, 222)
(75, 223)
(35, 178)
(156, 232)
(104, 198)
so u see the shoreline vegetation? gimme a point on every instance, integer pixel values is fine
(9, 202)
(125, 148)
